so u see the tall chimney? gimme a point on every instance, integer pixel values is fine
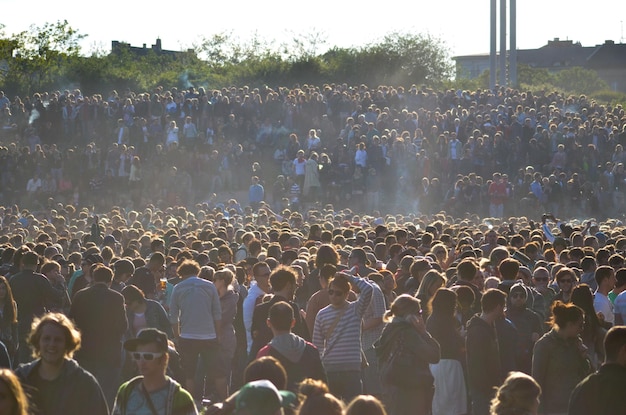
(502, 42)
(493, 46)
(513, 45)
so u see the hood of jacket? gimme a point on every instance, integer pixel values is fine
(26, 370)
(289, 345)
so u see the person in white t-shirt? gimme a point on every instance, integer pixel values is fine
(605, 277)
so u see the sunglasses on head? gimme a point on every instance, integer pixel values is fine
(146, 355)
(338, 293)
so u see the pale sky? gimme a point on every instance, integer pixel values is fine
(462, 24)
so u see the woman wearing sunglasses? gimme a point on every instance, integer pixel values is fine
(153, 391)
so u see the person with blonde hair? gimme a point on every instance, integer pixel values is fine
(518, 395)
(15, 401)
(432, 281)
(54, 381)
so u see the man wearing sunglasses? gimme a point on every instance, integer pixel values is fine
(152, 392)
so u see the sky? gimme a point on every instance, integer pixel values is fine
(463, 25)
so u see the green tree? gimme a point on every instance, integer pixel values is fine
(41, 54)
(579, 80)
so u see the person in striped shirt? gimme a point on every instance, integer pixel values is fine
(337, 335)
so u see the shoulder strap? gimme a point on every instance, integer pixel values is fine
(148, 399)
(330, 331)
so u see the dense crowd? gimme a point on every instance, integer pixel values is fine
(178, 309)
(385, 148)
(364, 277)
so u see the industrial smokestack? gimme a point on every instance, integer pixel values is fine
(493, 45)
(502, 42)
(513, 46)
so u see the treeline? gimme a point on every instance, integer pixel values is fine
(50, 58)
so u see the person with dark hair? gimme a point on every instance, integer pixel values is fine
(55, 383)
(34, 294)
(152, 391)
(593, 332)
(300, 358)
(283, 282)
(259, 287)
(321, 298)
(605, 280)
(450, 390)
(528, 325)
(484, 370)
(560, 358)
(195, 315)
(466, 271)
(100, 315)
(602, 392)
(337, 334)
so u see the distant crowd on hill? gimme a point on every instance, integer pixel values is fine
(491, 153)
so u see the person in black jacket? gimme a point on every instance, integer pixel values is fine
(283, 282)
(300, 358)
(100, 315)
(602, 392)
(56, 384)
(483, 355)
(34, 294)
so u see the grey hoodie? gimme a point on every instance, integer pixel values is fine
(289, 345)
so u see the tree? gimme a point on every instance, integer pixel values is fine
(40, 54)
(579, 80)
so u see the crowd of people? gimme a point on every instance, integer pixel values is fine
(182, 309)
(364, 280)
(501, 153)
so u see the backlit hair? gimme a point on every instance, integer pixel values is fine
(71, 333)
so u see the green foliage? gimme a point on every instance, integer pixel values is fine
(49, 58)
(579, 80)
(607, 96)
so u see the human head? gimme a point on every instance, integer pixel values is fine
(566, 315)
(444, 302)
(13, 393)
(466, 270)
(404, 305)
(266, 367)
(280, 316)
(103, 274)
(188, 268)
(614, 345)
(519, 392)
(492, 299)
(508, 268)
(284, 279)
(338, 289)
(318, 399)
(150, 351)
(261, 397)
(365, 405)
(60, 321)
(605, 275)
